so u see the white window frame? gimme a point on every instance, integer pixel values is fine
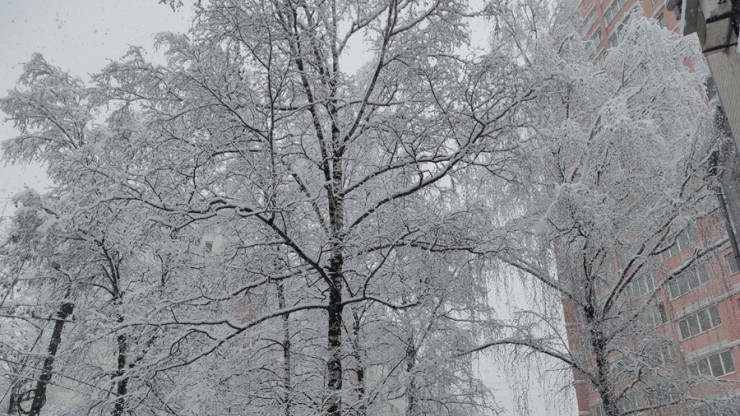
(708, 365)
(614, 40)
(642, 285)
(626, 404)
(689, 279)
(684, 239)
(595, 40)
(588, 22)
(699, 322)
(616, 36)
(662, 354)
(612, 11)
(653, 316)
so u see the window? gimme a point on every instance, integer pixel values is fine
(613, 10)
(617, 33)
(626, 404)
(614, 40)
(716, 365)
(625, 20)
(653, 316)
(661, 20)
(683, 240)
(732, 262)
(595, 40)
(662, 354)
(662, 395)
(641, 285)
(599, 60)
(703, 411)
(688, 280)
(699, 322)
(588, 23)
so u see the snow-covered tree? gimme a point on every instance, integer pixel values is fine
(620, 168)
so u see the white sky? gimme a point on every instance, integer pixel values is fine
(78, 36)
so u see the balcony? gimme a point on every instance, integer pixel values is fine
(714, 22)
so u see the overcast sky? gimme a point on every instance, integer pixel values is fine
(77, 35)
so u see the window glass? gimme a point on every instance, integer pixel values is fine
(714, 314)
(662, 313)
(692, 233)
(608, 15)
(716, 364)
(693, 325)
(599, 60)
(689, 279)
(588, 22)
(626, 18)
(683, 281)
(704, 321)
(668, 352)
(683, 240)
(673, 286)
(693, 278)
(642, 285)
(683, 327)
(730, 259)
(661, 20)
(701, 270)
(704, 411)
(727, 360)
(595, 39)
(703, 367)
(699, 322)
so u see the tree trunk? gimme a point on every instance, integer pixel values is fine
(336, 270)
(411, 387)
(334, 363)
(360, 369)
(602, 367)
(121, 379)
(335, 308)
(13, 399)
(39, 396)
(286, 352)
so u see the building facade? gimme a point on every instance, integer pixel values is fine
(697, 312)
